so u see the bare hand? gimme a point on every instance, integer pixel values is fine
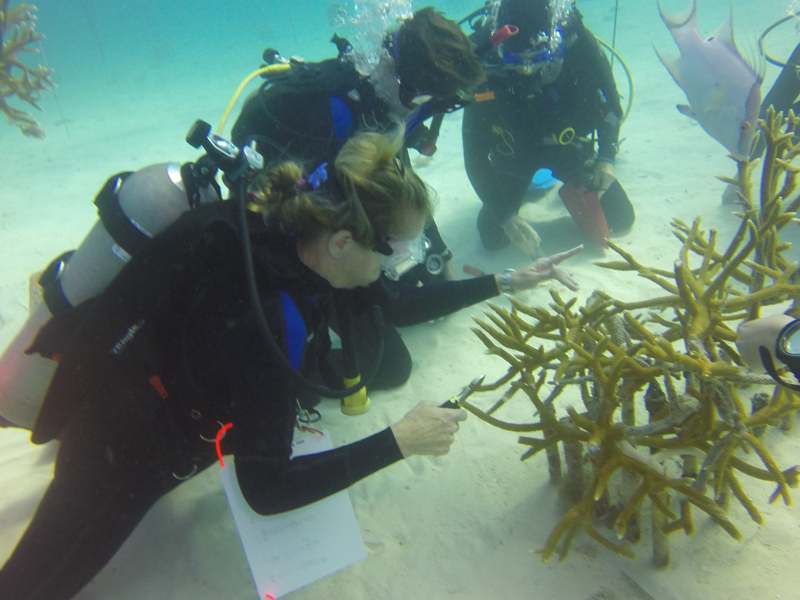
(543, 269)
(603, 176)
(522, 235)
(427, 429)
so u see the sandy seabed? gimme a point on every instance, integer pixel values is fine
(462, 526)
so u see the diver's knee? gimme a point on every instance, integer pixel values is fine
(395, 367)
(492, 234)
(618, 209)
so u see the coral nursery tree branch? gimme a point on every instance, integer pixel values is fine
(685, 341)
(17, 35)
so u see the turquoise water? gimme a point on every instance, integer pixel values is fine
(133, 75)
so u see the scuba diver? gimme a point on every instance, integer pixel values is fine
(308, 113)
(424, 68)
(550, 89)
(218, 319)
(784, 95)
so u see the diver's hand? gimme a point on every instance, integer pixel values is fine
(760, 332)
(522, 235)
(427, 429)
(603, 176)
(543, 269)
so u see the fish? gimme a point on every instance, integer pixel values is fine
(723, 88)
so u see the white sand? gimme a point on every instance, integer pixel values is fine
(462, 526)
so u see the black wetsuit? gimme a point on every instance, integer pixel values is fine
(508, 139)
(307, 115)
(151, 367)
(784, 95)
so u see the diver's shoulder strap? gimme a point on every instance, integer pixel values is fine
(122, 230)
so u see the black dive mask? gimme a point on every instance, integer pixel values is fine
(787, 349)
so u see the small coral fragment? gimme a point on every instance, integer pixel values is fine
(18, 34)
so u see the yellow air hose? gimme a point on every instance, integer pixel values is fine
(627, 74)
(268, 70)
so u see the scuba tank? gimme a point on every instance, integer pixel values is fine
(133, 207)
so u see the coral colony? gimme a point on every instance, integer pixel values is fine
(674, 355)
(18, 34)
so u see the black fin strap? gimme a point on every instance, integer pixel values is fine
(125, 233)
(52, 294)
(766, 360)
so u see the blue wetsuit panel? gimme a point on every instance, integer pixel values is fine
(295, 330)
(342, 118)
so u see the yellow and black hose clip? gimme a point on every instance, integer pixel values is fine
(566, 137)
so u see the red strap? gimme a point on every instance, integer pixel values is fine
(155, 381)
(220, 435)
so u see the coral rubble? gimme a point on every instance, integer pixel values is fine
(674, 355)
(18, 34)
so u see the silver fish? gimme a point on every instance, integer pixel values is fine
(723, 89)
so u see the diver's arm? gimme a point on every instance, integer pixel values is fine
(263, 417)
(786, 89)
(410, 305)
(272, 487)
(597, 65)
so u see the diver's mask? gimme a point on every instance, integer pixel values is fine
(400, 256)
(787, 349)
(544, 58)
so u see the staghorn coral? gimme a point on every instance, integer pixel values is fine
(18, 34)
(675, 354)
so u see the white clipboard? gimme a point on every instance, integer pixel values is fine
(291, 550)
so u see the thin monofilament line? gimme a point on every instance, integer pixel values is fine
(55, 96)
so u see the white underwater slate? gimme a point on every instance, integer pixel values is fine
(291, 550)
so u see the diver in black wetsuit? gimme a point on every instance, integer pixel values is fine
(310, 112)
(553, 87)
(150, 368)
(784, 95)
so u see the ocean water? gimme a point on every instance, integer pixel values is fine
(133, 75)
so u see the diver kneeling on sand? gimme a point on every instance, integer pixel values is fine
(218, 319)
(549, 91)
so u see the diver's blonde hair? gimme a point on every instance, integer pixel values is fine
(378, 188)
